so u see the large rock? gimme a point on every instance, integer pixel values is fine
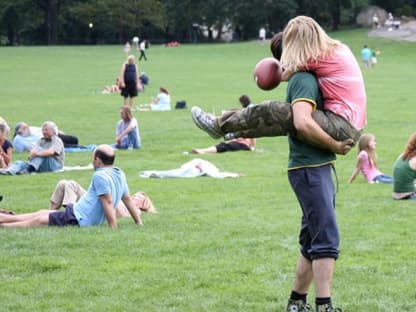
(365, 17)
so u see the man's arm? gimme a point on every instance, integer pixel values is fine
(41, 153)
(131, 207)
(109, 211)
(308, 130)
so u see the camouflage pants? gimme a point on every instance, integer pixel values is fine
(274, 118)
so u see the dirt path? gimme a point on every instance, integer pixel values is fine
(407, 32)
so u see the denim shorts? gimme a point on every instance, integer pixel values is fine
(63, 218)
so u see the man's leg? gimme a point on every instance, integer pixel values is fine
(323, 270)
(304, 275)
(66, 192)
(47, 164)
(269, 118)
(303, 279)
(38, 218)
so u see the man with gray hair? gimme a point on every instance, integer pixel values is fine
(47, 155)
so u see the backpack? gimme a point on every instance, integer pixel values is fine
(180, 105)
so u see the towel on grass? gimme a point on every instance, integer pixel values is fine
(192, 169)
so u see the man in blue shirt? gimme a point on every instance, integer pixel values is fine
(108, 186)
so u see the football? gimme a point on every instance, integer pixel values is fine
(268, 73)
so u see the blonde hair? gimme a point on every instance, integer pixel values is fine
(363, 146)
(305, 41)
(130, 59)
(147, 203)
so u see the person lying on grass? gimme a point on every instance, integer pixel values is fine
(107, 188)
(69, 192)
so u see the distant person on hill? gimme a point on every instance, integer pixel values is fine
(127, 130)
(142, 47)
(367, 162)
(107, 188)
(160, 103)
(129, 81)
(366, 56)
(404, 172)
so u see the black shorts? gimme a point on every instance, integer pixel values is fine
(130, 90)
(63, 218)
(231, 147)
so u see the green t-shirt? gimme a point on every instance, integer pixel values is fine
(404, 176)
(304, 86)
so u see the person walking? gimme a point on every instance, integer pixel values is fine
(142, 47)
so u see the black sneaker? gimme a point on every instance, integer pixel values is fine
(327, 308)
(298, 306)
(205, 122)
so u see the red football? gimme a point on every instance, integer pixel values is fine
(268, 73)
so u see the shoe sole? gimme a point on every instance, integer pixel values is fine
(211, 132)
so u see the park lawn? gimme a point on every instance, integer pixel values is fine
(215, 245)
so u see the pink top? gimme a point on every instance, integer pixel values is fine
(342, 85)
(369, 170)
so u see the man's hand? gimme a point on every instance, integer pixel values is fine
(342, 147)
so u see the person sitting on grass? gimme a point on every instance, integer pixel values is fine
(47, 155)
(160, 103)
(25, 137)
(107, 188)
(344, 114)
(69, 192)
(367, 162)
(127, 130)
(115, 88)
(404, 172)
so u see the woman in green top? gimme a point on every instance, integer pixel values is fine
(404, 172)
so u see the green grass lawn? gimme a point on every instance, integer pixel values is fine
(216, 245)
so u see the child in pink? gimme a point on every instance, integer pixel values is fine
(366, 162)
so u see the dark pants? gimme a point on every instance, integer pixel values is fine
(274, 118)
(231, 147)
(68, 140)
(314, 189)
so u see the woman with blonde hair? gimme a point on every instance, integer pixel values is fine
(307, 47)
(304, 46)
(127, 130)
(404, 172)
(367, 162)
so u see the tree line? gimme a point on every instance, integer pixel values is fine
(51, 22)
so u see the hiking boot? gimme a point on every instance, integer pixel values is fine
(298, 306)
(327, 308)
(205, 122)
